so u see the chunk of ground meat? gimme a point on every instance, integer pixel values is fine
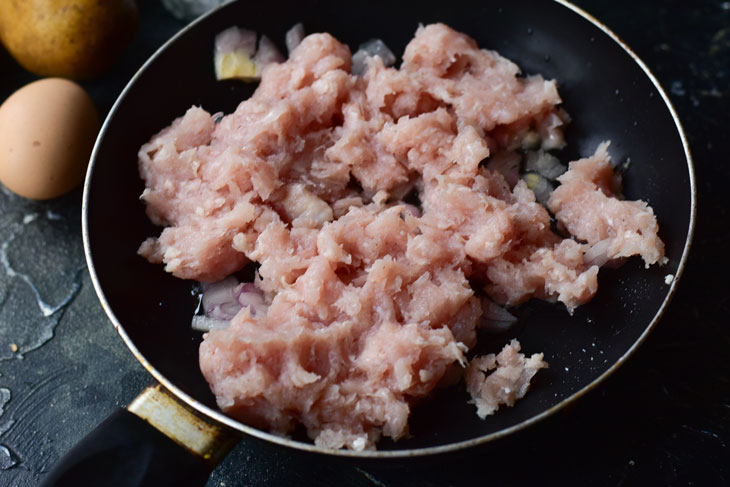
(357, 333)
(494, 380)
(585, 203)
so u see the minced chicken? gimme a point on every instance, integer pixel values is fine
(371, 301)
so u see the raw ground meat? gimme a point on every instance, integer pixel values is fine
(370, 302)
(585, 204)
(493, 380)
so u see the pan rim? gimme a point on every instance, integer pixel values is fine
(219, 417)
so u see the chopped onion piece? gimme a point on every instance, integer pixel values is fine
(249, 295)
(266, 54)
(539, 185)
(530, 141)
(223, 300)
(551, 131)
(371, 48)
(249, 287)
(204, 323)
(236, 39)
(413, 210)
(376, 47)
(220, 299)
(597, 254)
(495, 318)
(236, 56)
(294, 37)
(545, 164)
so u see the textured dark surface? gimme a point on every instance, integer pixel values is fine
(662, 419)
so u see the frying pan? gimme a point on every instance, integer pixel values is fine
(610, 95)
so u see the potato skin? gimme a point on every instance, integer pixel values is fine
(77, 39)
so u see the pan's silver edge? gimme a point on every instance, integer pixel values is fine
(236, 425)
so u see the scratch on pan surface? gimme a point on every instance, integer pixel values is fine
(705, 432)
(370, 477)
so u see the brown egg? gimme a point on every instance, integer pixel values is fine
(47, 131)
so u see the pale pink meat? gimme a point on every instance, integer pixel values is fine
(556, 273)
(493, 380)
(481, 86)
(212, 182)
(357, 332)
(585, 203)
(369, 303)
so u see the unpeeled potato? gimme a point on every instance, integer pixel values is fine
(75, 39)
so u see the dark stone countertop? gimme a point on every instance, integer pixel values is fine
(662, 419)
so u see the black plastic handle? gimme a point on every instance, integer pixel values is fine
(126, 451)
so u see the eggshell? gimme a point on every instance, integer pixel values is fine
(47, 131)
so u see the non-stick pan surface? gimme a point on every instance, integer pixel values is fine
(607, 92)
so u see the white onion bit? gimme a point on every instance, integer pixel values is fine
(495, 318)
(219, 300)
(539, 185)
(205, 324)
(371, 48)
(224, 299)
(545, 164)
(236, 39)
(413, 210)
(266, 54)
(294, 37)
(597, 254)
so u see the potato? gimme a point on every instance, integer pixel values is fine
(75, 39)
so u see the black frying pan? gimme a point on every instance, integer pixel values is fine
(606, 89)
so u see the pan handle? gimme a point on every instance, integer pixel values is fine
(154, 441)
